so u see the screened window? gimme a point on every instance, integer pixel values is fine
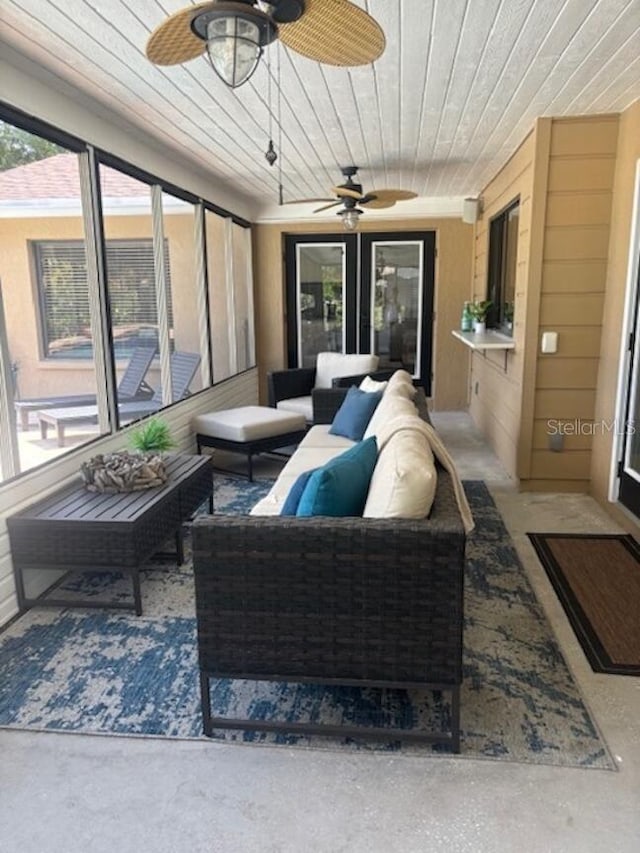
(243, 297)
(61, 269)
(220, 297)
(503, 264)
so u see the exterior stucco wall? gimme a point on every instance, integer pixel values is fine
(38, 376)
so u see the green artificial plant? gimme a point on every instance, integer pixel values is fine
(479, 310)
(153, 436)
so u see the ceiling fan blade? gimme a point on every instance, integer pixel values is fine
(307, 200)
(173, 42)
(327, 206)
(393, 195)
(346, 191)
(373, 202)
(335, 32)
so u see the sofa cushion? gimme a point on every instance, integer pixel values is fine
(404, 480)
(403, 380)
(292, 500)
(340, 487)
(330, 365)
(306, 458)
(272, 503)
(354, 414)
(318, 436)
(392, 405)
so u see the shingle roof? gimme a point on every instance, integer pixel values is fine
(59, 177)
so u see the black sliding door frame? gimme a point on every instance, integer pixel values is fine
(357, 308)
(292, 241)
(428, 240)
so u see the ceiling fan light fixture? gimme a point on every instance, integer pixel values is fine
(236, 34)
(350, 217)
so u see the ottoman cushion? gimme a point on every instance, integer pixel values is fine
(247, 423)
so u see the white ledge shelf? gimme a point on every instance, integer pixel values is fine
(485, 341)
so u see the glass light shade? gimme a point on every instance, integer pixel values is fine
(234, 48)
(350, 218)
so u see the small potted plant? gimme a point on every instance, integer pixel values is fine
(479, 310)
(154, 436)
(508, 315)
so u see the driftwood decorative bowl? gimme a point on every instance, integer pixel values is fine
(124, 472)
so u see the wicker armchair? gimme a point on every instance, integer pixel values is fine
(291, 390)
(357, 601)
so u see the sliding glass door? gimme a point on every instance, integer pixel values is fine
(362, 293)
(394, 316)
(629, 467)
(319, 296)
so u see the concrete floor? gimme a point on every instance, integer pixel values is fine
(66, 793)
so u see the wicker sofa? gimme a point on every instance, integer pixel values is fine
(355, 601)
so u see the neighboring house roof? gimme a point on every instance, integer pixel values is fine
(51, 187)
(58, 177)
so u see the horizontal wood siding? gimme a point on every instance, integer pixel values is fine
(496, 380)
(576, 245)
(238, 391)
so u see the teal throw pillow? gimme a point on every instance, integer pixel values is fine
(290, 505)
(354, 414)
(340, 487)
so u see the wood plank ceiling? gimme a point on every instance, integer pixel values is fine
(458, 87)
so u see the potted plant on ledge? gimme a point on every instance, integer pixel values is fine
(479, 310)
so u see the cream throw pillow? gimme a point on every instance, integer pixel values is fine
(404, 480)
(371, 386)
(392, 405)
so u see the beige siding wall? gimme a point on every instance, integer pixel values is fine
(628, 156)
(563, 175)
(453, 274)
(582, 160)
(496, 397)
(15, 495)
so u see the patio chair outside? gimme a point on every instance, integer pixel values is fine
(183, 368)
(132, 386)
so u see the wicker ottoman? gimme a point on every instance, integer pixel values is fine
(248, 429)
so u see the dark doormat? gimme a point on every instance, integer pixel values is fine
(597, 579)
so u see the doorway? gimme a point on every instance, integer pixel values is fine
(625, 481)
(629, 468)
(367, 293)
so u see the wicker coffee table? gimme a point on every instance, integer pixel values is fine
(75, 530)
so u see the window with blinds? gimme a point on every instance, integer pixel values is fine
(61, 270)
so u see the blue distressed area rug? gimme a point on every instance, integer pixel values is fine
(110, 672)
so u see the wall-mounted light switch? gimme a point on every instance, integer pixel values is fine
(549, 342)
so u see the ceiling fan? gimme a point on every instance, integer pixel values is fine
(235, 32)
(350, 195)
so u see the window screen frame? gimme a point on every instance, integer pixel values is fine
(497, 316)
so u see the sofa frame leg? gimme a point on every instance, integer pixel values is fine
(205, 701)
(455, 719)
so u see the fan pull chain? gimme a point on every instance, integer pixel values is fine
(270, 154)
(280, 190)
